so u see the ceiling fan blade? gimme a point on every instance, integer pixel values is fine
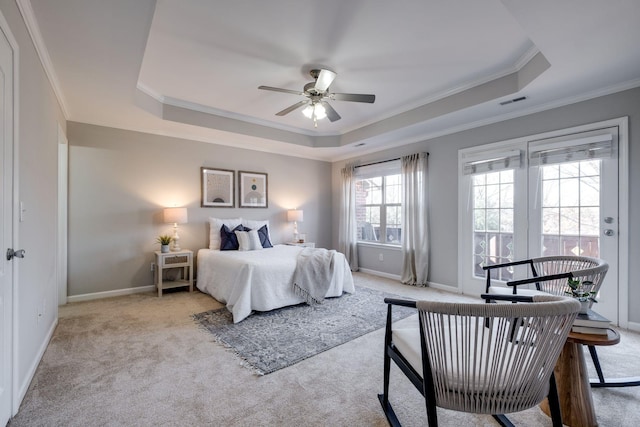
(324, 80)
(293, 107)
(353, 97)
(332, 114)
(277, 89)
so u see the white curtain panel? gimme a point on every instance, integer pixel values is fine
(348, 229)
(415, 231)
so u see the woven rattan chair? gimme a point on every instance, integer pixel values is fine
(549, 275)
(471, 358)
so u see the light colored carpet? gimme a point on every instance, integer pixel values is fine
(140, 360)
(272, 340)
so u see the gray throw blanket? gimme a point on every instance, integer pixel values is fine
(312, 277)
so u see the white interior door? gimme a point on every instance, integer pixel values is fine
(6, 227)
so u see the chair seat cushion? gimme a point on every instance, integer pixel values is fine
(407, 341)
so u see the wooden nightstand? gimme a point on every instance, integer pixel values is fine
(305, 244)
(182, 259)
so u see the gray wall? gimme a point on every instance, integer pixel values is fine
(119, 182)
(443, 185)
(35, 295)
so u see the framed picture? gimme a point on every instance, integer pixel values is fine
(218, 188)
(253, 190)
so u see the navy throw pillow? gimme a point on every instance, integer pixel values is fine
(228, 238)
(263, 233)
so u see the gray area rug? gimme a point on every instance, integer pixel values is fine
(272, 340)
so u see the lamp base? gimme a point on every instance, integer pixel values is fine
(175, 246)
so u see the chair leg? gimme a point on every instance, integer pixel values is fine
(503, 420)
(386, 373)
(384, 397)
(432, 413)
(596, 362)
(554, 403)
(618, 382)
(388, 412)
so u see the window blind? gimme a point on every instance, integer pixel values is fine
(494, 163)
(392, 167)
(597, 145)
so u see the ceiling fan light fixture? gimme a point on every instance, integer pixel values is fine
(314, 111)
(319, 112)
(308, 111)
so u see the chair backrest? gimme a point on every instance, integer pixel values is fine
(492, 358)
(580, 267)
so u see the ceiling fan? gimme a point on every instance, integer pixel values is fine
(317, 92)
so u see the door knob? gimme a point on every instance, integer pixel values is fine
(17, 254)
(609, 232)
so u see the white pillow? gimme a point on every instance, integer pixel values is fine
(248, 240)
(215, 224)
(256, 225)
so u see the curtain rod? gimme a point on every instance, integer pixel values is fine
(382, 161)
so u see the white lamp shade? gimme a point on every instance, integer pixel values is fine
(294, 215)
(176, 215)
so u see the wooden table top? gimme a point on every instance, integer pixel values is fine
(612, 338)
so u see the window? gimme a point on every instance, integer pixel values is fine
(571, 208)
(379, 203)
(491, 177)
(493, 220)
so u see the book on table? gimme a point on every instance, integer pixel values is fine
(589, 330)
(592, 319)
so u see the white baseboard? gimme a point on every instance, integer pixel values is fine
(24, 387)
(633, 326)
(445, 288)
(380, 274)
(397, 277)
(109, 294)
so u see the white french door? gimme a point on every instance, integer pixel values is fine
(574, 203)
(546, 195)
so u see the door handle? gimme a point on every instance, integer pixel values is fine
(609, 232)
(15, 254)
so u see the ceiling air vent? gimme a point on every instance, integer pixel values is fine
(511, 101)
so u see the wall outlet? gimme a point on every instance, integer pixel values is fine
(153, 266)
(380, 257)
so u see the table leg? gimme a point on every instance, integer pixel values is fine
(159, 282)
(574, 390)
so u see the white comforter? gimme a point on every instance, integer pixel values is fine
(260, 280)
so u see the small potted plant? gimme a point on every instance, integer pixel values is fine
(582, 291)
(165, 241)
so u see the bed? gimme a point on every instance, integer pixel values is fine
(260, 280)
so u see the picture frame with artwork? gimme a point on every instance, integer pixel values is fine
(253, 190)
(218, 188)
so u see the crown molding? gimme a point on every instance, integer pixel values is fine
(188, 105)
(31, 23)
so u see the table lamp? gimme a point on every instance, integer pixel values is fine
(175, 216)
(295, 215)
